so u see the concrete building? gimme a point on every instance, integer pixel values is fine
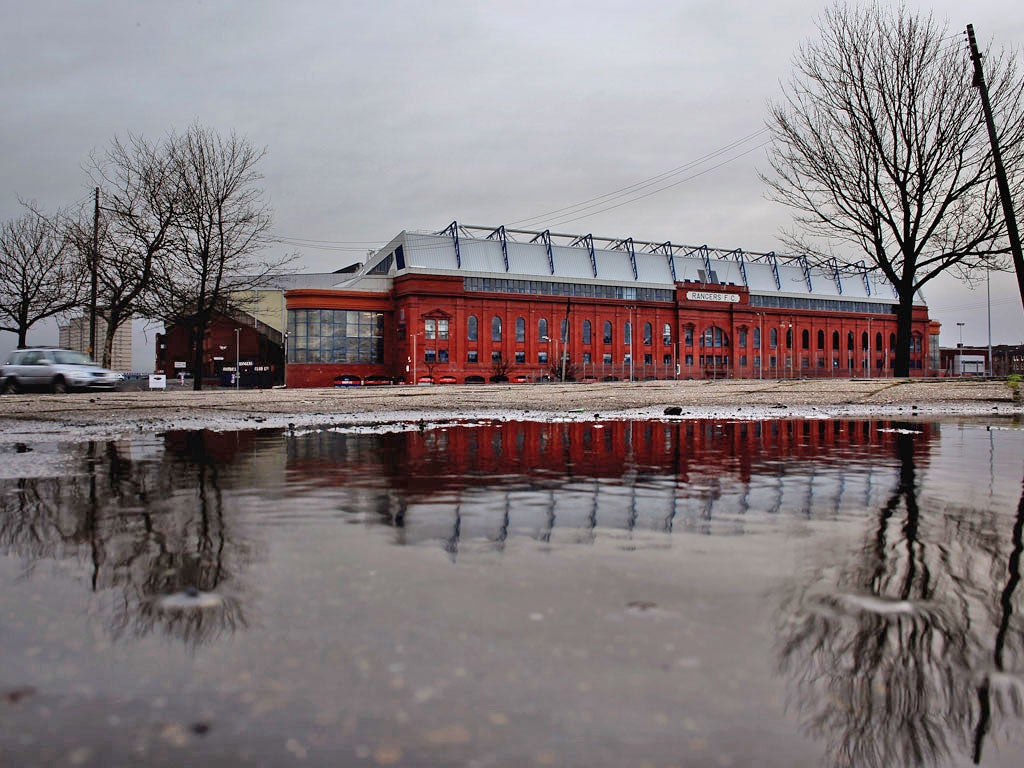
(472, 304)
(75, 335)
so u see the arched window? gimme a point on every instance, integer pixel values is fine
(835, 341)
(892, 342)
(563, 336)
(916, 343)
(878, 342)
(666, 334)
(472, 328)
(542, 328)
(849, 341)
(773, 338)
(757, 338)
(586, 332)
(648, 334)
(607, 332)
(821, 339)
(714, 337)
(864, 340)
(805, 339)
(520, 329)
(495, 328)
(627, 333)
(789, 338)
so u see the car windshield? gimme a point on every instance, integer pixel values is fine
(66, 357)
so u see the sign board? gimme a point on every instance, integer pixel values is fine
(180, 364)
(730, 298)
(157, 381)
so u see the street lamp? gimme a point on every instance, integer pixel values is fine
(238, 357)
(960, 348)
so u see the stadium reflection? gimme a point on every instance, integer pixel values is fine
(486, 482)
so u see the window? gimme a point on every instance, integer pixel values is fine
(688, 339)
(586, 358)
(520, 357)
(743, 361)
(564, 337)
(666, 334)
(335, 336)
(667, 360)
(892, 342)
(648, 358)
(864, 340)
(607, 331)
(442, 355)
(496, 356)
(773, 339)
(430, 329)
(849, 341)
(472, 328)
(789, 338)
(757, 338)
(496, 329)
(542, 358)
(607, 358)
(586, 332)
(648, 334)
(821, 339)
(743, 337)
(472, 356)
(689, 359)
(627, 333)
(878, 342)
(542, 329)
(430, 356)
(805, 339)
(520, 330)
(835, 341)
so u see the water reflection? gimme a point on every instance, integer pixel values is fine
(147, 518)
(902, 652)
(568, 482)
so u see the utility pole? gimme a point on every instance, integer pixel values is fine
(1012, 233)
(93, 269)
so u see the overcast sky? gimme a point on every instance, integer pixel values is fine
(388, 115)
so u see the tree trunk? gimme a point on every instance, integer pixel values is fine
(904, 318)
(22, 336)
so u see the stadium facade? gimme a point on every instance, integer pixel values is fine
(473, 304)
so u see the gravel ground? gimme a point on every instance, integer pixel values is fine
(105, 414)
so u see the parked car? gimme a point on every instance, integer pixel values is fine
(55, 370)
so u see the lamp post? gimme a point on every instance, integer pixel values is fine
(960, 348)
(547, 340)
(760, 345)
(238, 358)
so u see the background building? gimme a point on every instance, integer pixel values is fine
(471, 304)
(75, 335)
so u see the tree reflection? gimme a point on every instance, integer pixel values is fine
(883, 651)
(143, 528)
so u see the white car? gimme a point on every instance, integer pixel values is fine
(54, 370)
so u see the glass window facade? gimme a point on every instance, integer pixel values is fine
(335, 336)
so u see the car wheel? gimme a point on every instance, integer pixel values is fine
(11, 386)
(59, 386)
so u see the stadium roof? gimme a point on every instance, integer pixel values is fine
(543, 255)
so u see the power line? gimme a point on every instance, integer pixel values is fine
(585, 204)
(662, 189)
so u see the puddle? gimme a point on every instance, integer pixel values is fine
(780, 593)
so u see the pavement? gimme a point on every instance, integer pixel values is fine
(108, 414)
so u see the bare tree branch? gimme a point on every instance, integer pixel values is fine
(879, 146)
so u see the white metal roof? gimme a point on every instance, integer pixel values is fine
(619, 262)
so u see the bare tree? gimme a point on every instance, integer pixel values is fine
(219, 229)
(879, 147)
(38, 279)
(139, 203)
